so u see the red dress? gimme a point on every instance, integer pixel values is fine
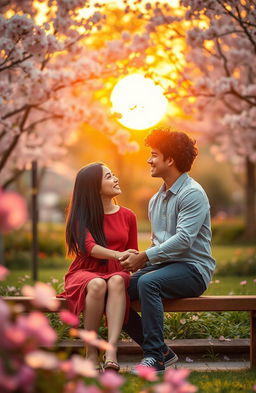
(120, 230)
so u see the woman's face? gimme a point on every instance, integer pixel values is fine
(109, 183)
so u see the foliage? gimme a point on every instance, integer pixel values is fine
(228, 230)
(224, 381)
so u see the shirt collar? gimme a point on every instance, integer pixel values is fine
(176, 185)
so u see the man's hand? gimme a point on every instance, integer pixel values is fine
(134, 262)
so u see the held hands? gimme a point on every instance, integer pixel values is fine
(122, 255)
(134, 261)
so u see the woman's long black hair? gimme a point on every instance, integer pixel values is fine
(85, 210)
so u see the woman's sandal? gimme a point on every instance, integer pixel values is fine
(110, 365)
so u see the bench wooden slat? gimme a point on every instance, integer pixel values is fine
(193, 304)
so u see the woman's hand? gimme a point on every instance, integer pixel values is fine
(125, 254)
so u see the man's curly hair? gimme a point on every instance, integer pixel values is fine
(174, 144)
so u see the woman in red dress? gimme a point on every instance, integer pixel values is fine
(98, 233)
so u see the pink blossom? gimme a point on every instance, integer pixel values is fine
(90, 337)
(13, 211)
(183, 321)
(41, 359)
(176, 376)
(36, 325)
(111, 380)
(83, 366)
(148, 373)
(43, 295)
(69, 318)
(4, 313)
(195, 317)
(15, 336)
(254, 388)
(3, 272)
(243, 282)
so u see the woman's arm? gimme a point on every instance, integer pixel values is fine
(105, 253)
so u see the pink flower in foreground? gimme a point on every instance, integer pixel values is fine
(13, 211)
(3, 272)
(4, 313)
(69, 318)
(254, 388)
(90, 337)
(178, 382)
(254, 280)
(83, 366)
(111, 380)
(176, 376)
(148, 373)
(43, 295)
(36, 325)
(41, 359)
(243, 282)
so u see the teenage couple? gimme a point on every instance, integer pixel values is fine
(103, 237)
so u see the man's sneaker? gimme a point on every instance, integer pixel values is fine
(149, 362)
(170, 357)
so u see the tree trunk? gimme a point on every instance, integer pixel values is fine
(250, 207)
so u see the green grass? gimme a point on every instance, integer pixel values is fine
(207, 382)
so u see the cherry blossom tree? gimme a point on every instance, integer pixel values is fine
(211, 48)
(49, 75)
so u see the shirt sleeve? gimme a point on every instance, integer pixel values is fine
(133, 233)
(193, 208)
(89, 243)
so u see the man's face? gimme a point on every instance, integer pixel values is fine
(159, 166)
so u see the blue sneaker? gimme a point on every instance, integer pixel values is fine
(170, 357)
(150, 362)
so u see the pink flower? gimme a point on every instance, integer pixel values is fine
(254, 280)
(148, 373)
(69, 318)
(183, 321)
(36, 325)
(3, 272)
(90, 337)
(83, 366)
(195, 317)
(254, 388)
(41, 359)
(4, 313)
(43, 295)
(13, 211)
(243, 282)
(111, 380)
(176, 376)
(222, 338)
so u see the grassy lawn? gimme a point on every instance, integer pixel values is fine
(229, 285)
(207, 382)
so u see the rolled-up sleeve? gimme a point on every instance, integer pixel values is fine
(193, 207)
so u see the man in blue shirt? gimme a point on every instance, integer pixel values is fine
(179, 262)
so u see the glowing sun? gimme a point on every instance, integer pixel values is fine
(140, 103)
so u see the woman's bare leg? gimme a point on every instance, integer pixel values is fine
(115, 310)
(94, 308)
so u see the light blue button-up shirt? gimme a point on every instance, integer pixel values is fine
(181, 226)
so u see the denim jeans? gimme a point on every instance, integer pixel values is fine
(150, 284)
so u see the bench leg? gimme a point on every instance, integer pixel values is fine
(253, 340)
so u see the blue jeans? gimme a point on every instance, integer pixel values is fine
(151, 284)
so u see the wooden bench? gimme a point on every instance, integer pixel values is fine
(202, 303)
